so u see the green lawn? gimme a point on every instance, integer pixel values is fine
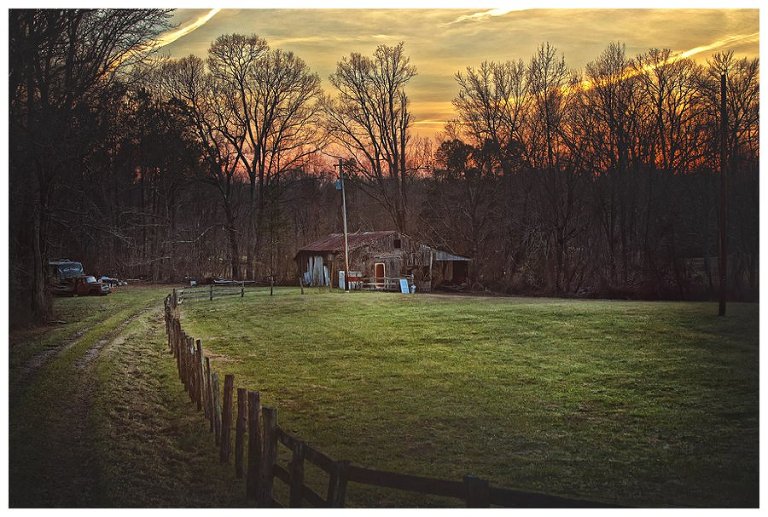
(98, 417)
(634, 403)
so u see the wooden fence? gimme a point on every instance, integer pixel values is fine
(210, 291)
(227, 410)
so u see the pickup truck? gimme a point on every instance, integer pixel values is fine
(67, 278)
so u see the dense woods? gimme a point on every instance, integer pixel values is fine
(594, 182)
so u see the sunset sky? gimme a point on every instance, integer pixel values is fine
(441, 42)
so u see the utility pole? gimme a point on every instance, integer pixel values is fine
(723, 263)
(344, 214)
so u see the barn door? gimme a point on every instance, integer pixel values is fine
(379, 273)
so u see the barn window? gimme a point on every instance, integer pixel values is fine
(397, 244)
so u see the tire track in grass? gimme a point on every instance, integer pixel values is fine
(51, 458)
(155, 449)
(105, 422)
(23, 375)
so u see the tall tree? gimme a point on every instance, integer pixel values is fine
(58, 60)
(206, 104)
(609, 108)
(371, 121)
(274, 107)
(551, 85)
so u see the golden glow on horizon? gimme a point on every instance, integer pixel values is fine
(443, 41)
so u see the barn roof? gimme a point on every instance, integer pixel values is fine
(444, 256)
(335, 241)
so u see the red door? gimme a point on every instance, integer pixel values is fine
(378, 273)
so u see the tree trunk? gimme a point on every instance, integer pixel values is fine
(41, 303)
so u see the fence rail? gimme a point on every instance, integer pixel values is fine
(257, 426)
(210, 291)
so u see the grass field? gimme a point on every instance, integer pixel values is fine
(634, 403)
(98, 418)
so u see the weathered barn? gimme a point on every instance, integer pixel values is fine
(378, 258)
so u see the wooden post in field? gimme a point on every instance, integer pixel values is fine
(242, 416)
(478, 492)
(297, 475)
(199, 374)
(167, 318)
(179, 355)
(723, 214)
(271, 284)
(191, 382)
(268, 458)
(242, 289)
(208, 393)
(211, 296)
(172, 336)
(183, 356)
(190, 371)
(337, 484)
(216, 409)
(226, 419)
(255, 440)
(183, 352)
(301, 284)
(176, 338)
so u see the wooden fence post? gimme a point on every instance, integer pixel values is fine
(167, 318)
(171, 334)
(187, 380)
(183, 358)
(216, 409)
(226, 419)
(301, 284)
(179, 339)
(199, 374)
(254, 445)
(478, 492)
(176, 338)
(211, 296)
(268, 457)
(190, 367)
(240, 430)
(208, 393)
(337, 485)
(297, 475)
(242, 289)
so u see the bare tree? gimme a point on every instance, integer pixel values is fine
(371, 121)
(610, 110)
(206, 105)
(58, 60)
(274, 107)
(551, 86)
(492, 104)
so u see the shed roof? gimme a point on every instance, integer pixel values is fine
(335, 241)
(444, 256)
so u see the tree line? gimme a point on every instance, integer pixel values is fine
(601, 182)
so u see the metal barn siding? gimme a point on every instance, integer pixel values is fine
(321, 261)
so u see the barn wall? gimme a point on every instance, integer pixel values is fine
(316, 270)
(322, 268)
